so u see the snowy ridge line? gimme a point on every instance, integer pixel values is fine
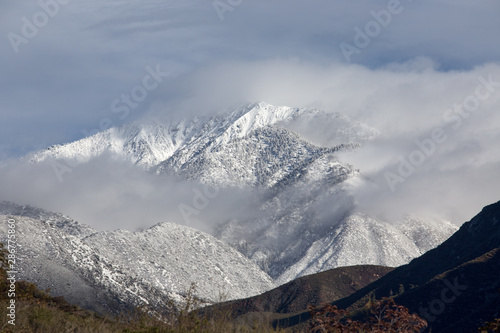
(120, 269)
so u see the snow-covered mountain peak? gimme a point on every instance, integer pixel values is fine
(150, 142)
(305, 218)
(258, 116)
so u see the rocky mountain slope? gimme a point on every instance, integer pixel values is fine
(113, 271)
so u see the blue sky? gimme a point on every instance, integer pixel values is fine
(62, 82)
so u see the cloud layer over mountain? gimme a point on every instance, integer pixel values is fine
(66, 75)
(71, 76)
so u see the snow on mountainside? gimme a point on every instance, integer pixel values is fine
(143, 145)
(150, 143)
(264, 157)
(56, 220)
(173, 256)
(312, 224)
(112, 271)
(360, 239)
(295, 212)
(306, 219)
(146, 144)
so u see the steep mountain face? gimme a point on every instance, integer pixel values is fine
(151, 143)
(113, 271)
(305, 220)
(265, 157)
(216, 150)
(391, 244)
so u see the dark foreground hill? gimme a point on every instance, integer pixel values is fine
(314, 289)
(455, 287)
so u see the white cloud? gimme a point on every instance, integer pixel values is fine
(64, 79)
(285, 52)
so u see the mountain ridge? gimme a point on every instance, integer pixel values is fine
(113, 271)
(304, 189)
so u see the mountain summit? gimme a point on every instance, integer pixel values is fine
(305, 218)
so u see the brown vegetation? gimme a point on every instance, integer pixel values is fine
(384, 316)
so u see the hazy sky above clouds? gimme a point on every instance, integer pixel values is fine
(65, 78)
(429, 56)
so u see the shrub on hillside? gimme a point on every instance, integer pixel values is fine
(384, 316)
